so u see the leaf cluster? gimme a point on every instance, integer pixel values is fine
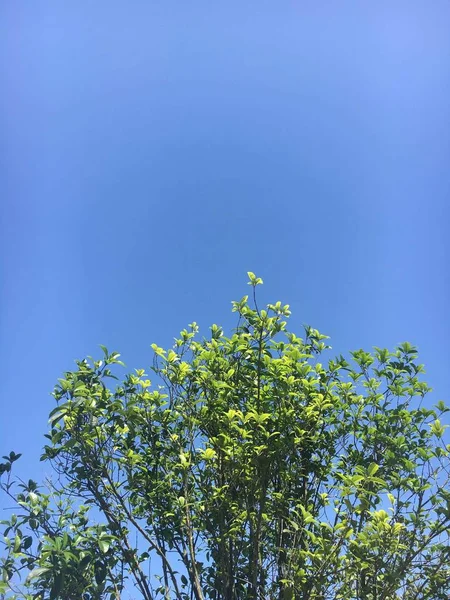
(252, 468)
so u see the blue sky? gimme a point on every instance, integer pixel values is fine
(151, 153)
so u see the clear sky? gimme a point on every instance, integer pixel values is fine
(151, 153)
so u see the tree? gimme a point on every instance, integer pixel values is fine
(250, 470)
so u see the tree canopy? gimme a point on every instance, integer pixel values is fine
(252, 468)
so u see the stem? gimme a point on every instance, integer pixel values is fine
(196, 581)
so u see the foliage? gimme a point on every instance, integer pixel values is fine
(252, 471)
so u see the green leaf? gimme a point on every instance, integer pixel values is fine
(57, 414)
(104, 545)
(208, 454)
(27, 542)
(437, 428)
(372, 469)
(253, 279)
(36, 573)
